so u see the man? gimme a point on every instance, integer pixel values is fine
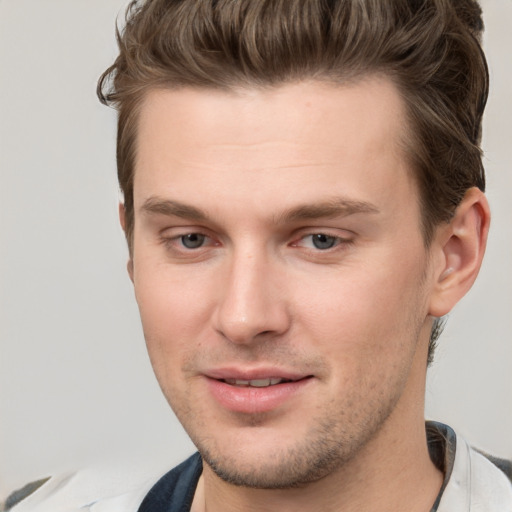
(303, 201)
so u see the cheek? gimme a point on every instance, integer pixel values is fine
(169, 296)
(366, 328)
(174, 310)
(365, 310)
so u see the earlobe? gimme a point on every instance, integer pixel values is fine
(461, 246)
(129, 268)
(122, 216)
(122, 220)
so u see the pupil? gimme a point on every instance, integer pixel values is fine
(192, 240)
(321, 241)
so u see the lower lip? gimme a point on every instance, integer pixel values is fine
(252, 400)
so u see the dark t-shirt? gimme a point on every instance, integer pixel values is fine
(174, 492)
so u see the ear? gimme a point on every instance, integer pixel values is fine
(122, 220)
(458, 252)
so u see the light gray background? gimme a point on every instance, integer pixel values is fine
(76, 386)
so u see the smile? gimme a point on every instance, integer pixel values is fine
(256, 383)
(258, 394)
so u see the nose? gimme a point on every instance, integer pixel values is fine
(252, 304)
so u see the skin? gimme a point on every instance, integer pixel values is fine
(254, 175)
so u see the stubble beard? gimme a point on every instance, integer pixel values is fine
(337, 435)
(328, 446)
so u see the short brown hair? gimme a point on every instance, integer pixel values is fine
(429, 48)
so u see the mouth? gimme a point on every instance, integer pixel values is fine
(257, 383)
(257, 393)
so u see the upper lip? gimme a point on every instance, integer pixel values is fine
(254, 373)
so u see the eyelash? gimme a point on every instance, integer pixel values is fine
(338, 242)
(171, 242)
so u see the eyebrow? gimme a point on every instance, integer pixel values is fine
(172, 208)
(334, 207)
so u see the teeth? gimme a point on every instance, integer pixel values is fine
(255, 383)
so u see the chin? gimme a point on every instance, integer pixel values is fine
(283, 463)
(283, 472)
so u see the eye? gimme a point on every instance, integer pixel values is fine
(192, 240)
(322, 241)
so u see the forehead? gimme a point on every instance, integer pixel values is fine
(245, 116)
(296, 140)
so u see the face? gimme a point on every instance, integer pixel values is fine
(280, 272)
